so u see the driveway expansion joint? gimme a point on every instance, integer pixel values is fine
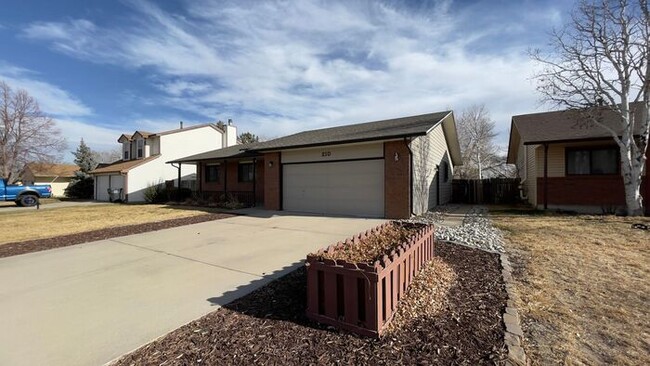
(187, 258)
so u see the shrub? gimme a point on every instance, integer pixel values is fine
(155, 193)
(82, 186)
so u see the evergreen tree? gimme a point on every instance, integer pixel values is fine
(82, 185)
(85, 158)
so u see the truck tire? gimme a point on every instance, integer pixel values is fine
(27, 200)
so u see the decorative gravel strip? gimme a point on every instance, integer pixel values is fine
(476, 231)
(451, 316)
(30, 246)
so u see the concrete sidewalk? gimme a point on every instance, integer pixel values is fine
(90, 303)
(454, 214)
(9, 208)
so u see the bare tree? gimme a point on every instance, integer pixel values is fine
(601, 61)
(476, 136)
(26, 133)
(247, 138)
(108, 156)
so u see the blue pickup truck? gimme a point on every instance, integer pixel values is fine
(24, 195)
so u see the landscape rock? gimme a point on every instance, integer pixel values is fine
(476, 230)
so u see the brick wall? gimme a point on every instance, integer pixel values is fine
(397, 176)
(230, 171)
(272, 176)
(589, 190)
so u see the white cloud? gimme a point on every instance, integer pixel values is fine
(51, 98)
(69, 112)
(280, 67)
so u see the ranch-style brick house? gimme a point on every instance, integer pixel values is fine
(144, 155)
(567, 163)
(391, 168)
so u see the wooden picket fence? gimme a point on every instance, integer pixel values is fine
(363, 297)
(485, 191)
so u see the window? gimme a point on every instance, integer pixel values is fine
(211, 173)
(126, 155)
(245, 172)
(140, 148)
(599, 161)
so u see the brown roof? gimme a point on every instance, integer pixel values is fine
(52, 170)
(567, 125)
(122, 166)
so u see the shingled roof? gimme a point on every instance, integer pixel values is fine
(564, 126)
(52, 170)
(370, 131)
(232, 152)
(122, 166)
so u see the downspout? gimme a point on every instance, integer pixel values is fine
(545, 176)
(407, 141)
(225, 178)
(521, 183)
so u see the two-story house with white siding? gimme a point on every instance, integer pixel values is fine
(144, 157)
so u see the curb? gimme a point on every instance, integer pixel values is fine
(514, 335)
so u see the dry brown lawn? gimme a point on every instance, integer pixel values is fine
(39, 224)
(584, 286)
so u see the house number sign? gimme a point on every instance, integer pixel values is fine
(326, 153)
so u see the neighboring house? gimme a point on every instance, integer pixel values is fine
(392, 168)
(56, 175)
(566, 163)
(144, 155)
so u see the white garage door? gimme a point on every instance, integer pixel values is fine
(342, 188)
(101, 193)
(104, 182)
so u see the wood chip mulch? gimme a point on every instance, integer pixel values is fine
(374, 246)
(37, 245)
(452, 315)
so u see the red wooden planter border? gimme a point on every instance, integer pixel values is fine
(363, 297)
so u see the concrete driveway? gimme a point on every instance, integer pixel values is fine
(90, 303)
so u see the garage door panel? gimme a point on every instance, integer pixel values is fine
(346, 188)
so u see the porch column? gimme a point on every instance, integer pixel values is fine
(225, 178)
(545, 176)
(178, 194)
(254, 168)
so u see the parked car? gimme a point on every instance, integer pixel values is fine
(24, 195)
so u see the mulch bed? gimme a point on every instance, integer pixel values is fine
(454, 320)
(23, 247)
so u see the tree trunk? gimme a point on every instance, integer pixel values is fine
(632, 182)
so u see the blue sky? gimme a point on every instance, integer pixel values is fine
(101, 68)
